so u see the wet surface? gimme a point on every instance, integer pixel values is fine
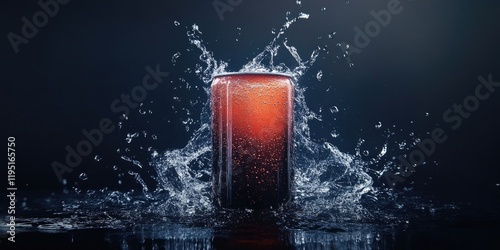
(68, 223)
(465, 235)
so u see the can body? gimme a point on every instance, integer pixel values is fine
(252, 139)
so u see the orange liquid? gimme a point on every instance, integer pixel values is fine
(252, 129)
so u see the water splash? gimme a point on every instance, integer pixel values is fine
(326, 181)
(329, 185)
(264, 61)
(213, 66)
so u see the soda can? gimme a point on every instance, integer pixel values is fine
(252, 139)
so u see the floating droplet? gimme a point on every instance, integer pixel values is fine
(175, 57)
(303, 16)
(83, 176)
(334, 109)
(319, 75)
(334, 134)
(130, 136)
(378, 125)
(176, 23)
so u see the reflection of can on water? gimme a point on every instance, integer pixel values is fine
(252, 139)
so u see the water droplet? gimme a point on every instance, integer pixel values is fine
(97, 158)
(378, 125)
(426, 113)
(334, 109)
(334, 134)
(303, 15)
(323, 9)
(130, 136)
(331, 35)
(319, 75)
(83, 176)
(366, 152)
(175, 57)
(135, 162)
(176, 23)
(115, 167)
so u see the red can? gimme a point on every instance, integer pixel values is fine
(252, 139)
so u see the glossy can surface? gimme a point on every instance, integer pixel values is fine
(252, 130)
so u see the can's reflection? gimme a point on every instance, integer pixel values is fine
(255, 230)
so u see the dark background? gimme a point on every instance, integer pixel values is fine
(424, 61)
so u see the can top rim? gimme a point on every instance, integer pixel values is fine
(252, 73)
